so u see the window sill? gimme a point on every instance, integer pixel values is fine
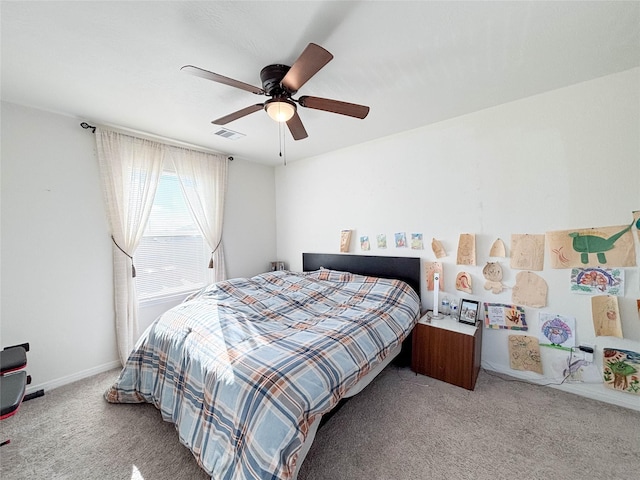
(168, 298)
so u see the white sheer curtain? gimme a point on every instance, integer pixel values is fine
(130, 168)
(203, 177)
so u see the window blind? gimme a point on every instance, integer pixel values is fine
(172, 256)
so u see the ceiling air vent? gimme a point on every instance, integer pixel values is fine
(230, 134)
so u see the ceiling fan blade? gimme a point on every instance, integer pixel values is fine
(199, 72)
(239, 114)
(310, 61)
(334, 106)
(296, 128)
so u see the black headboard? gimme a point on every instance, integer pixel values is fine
(406, 269)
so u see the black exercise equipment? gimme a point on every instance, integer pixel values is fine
(13, 380)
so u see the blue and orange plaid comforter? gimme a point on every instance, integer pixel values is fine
(243, 367)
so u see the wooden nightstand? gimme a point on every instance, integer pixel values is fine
(447, 350)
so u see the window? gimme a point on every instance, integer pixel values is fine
(172, 256)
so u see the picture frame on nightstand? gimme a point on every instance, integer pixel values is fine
(468, 311)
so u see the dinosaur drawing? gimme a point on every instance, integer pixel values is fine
(586, 244)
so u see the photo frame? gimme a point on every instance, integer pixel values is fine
(468, 311)
(277, 266)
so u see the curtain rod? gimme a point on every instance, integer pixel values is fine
(86, 126)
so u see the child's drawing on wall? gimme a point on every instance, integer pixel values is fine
(438, 248)
(527, 252)
(606, 316)
(492, 272)
(466, 249)
(430, 269)
(499, 315)
(416, 241)
(364, 243)
(557, 331)
(530, 290)
(597, 281)
(621, 370)
(593, 247)
(524, 353)
(464, 283)
(498, 249)
(345, 240)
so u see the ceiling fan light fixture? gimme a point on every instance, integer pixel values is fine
(280, 109)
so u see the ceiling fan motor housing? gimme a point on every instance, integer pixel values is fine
(271, 76)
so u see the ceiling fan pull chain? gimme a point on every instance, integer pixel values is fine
(282, 143)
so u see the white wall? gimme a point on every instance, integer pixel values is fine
(56, 250)
(56, 281)
(565, 159)
(250, 219)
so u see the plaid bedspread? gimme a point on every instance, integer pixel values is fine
(244, 366)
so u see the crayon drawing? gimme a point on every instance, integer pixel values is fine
(557, 331)
(606, 316)
(416, 241)
(466, 249)
(597, 281)
(345, 240)
(593, 247)
(530, 290)
(492, 272)
(527, 252)
(621, 370)
(524, 353)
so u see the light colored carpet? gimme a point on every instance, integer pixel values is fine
(401, 427)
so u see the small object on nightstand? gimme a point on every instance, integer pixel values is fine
(431, 316)
(277, 266)
(469, 311)
(453, 307)
(436, 290)
(444, 305)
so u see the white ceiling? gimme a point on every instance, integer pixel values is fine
(414, 63)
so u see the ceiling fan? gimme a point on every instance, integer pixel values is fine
(281, 82)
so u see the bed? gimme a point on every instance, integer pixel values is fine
(246, 368)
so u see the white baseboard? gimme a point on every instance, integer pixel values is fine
(595, 391)
(59, 382)
(598, 391)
